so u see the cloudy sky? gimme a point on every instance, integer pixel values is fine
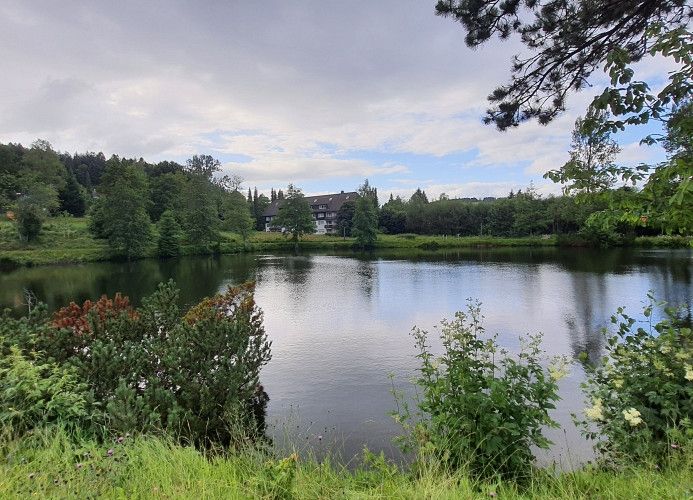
(319, 93)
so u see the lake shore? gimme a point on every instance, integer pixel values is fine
(68, 241)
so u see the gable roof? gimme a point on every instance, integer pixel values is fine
(333, 201)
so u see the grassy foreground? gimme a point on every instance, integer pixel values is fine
(49, 465)
(67, 240)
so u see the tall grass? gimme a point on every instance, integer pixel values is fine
(54, 464)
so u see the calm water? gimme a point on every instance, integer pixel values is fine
(340, 323)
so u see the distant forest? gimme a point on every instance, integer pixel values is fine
(123, 197)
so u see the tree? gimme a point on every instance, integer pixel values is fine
(124, 220)
(203, 165)
(72, 198)
(261, 205)
(365, 222)
(200, 218)
(169, 235)
(567, 39)
(237, 216)
(591, 167)
(29, 220)
(294, 216)
(345, 218)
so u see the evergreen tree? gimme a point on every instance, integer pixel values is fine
(273, 195)
(72, 198)
(262, 203)
(169, 235)
(345, 218)
(280, 195)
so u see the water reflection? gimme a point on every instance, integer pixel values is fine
(340, 322)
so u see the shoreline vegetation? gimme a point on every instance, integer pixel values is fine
(106, 399)
(67, 240)
(50, 464)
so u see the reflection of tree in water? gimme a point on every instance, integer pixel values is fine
(669, 278)
(367, 273)
(258, 408)
(583, 324)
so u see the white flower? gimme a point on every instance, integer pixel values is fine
(558, 371)
(632, 416)
(595, 411)
(618, 383)
(665, 349)
(689, 372)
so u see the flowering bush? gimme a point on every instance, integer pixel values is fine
(641, 393)
(482, 409)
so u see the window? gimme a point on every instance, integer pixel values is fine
(322, 207)
(321, 215)
(268, 219)
(331, 215)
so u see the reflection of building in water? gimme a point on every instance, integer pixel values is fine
(324, 208)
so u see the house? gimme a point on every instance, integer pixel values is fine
(323, 206)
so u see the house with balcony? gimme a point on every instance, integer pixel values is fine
(324, 208)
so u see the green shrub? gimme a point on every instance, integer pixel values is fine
(152, 369)
(481, 409)
(641, 392)
(34, 394)
(29, 221)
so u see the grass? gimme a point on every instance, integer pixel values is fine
(51, 465)
(67, 240)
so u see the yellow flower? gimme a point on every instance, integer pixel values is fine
(632, 416)
(595, 411)
(618, 383)
(689, 372)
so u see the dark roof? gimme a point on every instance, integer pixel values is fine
(333, 201)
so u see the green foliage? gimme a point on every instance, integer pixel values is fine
(72, 199)
(345, 218)
(29, 220)
(122, 216)
(482, 410)
(591, 167)
(35, 394)
(365, 223)
(200, 217)
(237, 216)
(567, 41)
(640, 394)
(195, 376)
(55, 465)
(169, 235)
(295, 216)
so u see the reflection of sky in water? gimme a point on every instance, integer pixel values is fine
(340, 324)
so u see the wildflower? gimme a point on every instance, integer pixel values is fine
(110, 452)
(595, 411)
(689, 372)
(665, 349)
(558, 371)
(632, 416)
(618, 383)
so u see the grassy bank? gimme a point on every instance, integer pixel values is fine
(50, 465)
(67, 240)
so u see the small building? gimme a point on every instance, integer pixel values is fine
(324, 208)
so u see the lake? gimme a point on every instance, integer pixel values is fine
(340, 323)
